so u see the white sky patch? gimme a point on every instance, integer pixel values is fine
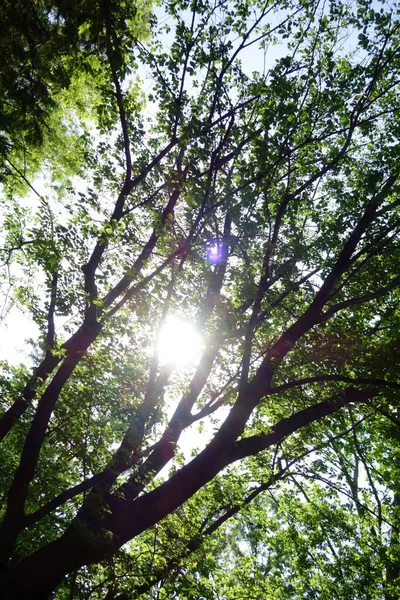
(13, 348)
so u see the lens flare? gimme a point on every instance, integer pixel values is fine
(214, 253)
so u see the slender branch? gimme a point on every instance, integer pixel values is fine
(368, 472)
(351, 481)
(254, 444)
(178, 100)
(140, 286)
(124, 283)
(113, 55)
(395, 282)
(329, 483)
(341, 378)
(89, 269)
(24, 178)
(50, 314)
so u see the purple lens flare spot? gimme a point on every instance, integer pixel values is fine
(214, 253)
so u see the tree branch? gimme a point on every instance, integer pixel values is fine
(341, 378)
(255, 444)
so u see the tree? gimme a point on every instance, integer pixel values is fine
(261, 204)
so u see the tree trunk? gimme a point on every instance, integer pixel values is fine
(40, 573)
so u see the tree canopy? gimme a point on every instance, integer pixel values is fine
(200, 214)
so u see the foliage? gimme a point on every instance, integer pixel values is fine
(54, 76)
(239, 169)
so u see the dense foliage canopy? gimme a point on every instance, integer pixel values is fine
(200, 215)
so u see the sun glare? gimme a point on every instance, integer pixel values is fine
(179, 342)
